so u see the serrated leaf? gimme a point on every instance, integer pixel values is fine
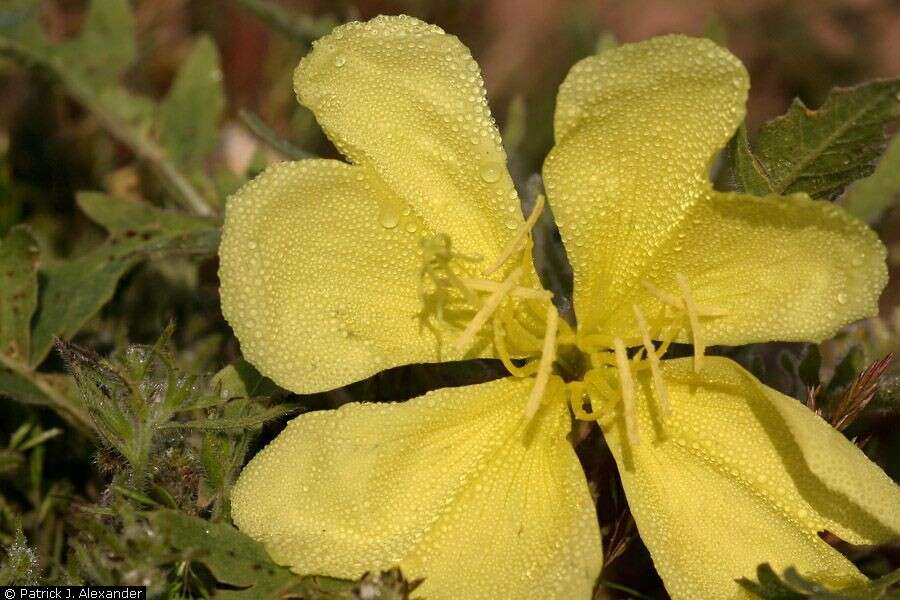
(819, 151)
(189, 115)
(18, 292)
(233, 558)
(106, 45)
(120, 216)
(255, 419)
(74, 290)
(71, 292)
(867, 199)
(791, 585)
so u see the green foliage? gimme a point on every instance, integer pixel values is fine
(106, 46)
(793, 586)
(235, 560)
(817, 151)
(189, 115)
(21, 564)
(869, 198)
(18, 292)
(89, 66)
(74, 290)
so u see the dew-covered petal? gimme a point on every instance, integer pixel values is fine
(775, 268)
(636, 128)
(406, 99)
(453, 486)
(738, 475)
(320, 293)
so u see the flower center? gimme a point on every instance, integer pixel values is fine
(600, 369)
(609, 382)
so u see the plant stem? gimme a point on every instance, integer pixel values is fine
(144, 148)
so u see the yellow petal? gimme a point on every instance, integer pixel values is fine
(319, 293)
(776, 268)
(453, 486)
(726, 482)
(636, 128)
(406, 99)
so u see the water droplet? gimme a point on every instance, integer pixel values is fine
(339, 61)
(389, 214)
(490, 174)
(842, 298)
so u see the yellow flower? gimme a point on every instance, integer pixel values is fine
(416, 252)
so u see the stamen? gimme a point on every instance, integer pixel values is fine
(503, 353)
(676, 302)
(599, 390)
(626, 384)
(694, 319)
(521, 233)
(545, 367)
(662, 395)
(485, 312)
(664, 297)
(485, 285)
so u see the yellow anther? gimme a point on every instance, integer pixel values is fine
(626, 389)
(485, 312)
(694, 319)
(503, 353)
(545, 367)
(514, 244)
(662, 395)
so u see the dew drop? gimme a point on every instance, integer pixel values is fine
(490, 174)
(339, 61)
(389, 214)
(842, 298)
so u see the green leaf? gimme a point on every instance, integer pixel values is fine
(189, 115)
(869, 198)
(819, 151)
(255, 419)
(791, 585)
(18, 292)
(233, 558)
(242, 380)
(20, 388)
(120, 216)
(106, 45)
(89, 68)
(74, 290)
